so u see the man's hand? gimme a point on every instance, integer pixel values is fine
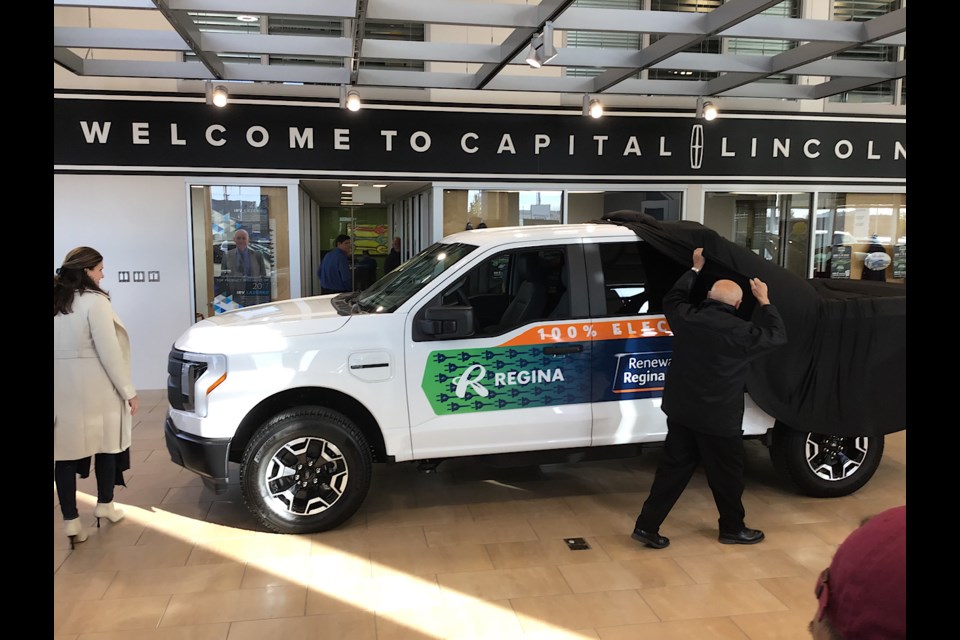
(759, 289)
(698, 259)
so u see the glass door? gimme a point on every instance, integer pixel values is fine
(240, 246)
(775, 226)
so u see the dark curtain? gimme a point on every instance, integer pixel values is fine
(843, 371)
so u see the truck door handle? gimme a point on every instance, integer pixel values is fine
(370, 365)
(569, 348)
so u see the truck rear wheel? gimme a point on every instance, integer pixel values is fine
(825, 466)
(306, 470)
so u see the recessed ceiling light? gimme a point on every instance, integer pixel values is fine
(379, 186)
(350, 184)
(247, 18)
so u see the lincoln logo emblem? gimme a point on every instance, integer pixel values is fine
(696, 146)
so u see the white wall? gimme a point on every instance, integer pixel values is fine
(138, 223)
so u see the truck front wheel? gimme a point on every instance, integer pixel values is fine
(825, 466)
(306, 470)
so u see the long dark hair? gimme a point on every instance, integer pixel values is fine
(72, 278)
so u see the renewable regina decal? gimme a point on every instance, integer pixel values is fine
(553, 364)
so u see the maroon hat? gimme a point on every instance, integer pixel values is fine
(864, 592)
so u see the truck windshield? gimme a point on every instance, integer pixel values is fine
(395, 288)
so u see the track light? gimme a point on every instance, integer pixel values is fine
(709, 111)
(541, 49)
(532, 58)
(353, 100)
(592, 106)
(350, 99)
(706, 110)
(217, 95)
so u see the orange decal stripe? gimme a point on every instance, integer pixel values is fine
(581, 330)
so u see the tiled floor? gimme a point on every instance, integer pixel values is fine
(476, 550)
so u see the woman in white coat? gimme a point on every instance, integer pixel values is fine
(93, 394)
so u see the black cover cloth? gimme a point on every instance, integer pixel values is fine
(843, 370)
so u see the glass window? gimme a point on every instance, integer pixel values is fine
(480, 208)
(861, 236)
(396, 287)
(305, 26)
(513, 288)
(775, 226)
(587, 205)
(602, 39)
(624, 280)
(741, 46)
(860, 11)
(854, 235)
(240, 246)
(635, 278)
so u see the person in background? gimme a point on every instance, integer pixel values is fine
(393, 258)
(94, 399)
(242, 260)
(243, 272)
(334, 270)
(863, 593)
(703, 400)
(365, 270)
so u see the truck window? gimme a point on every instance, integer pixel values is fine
(395, 288)
(514, 288)
(625, 281)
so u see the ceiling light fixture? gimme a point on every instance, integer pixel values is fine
(706, 110)
(541, 49)
(353, 100)
(349, 99)
(217, 95)
(245, 18)
(220, 96)
(592, 106)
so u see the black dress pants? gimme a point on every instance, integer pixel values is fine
(65, 474)
(683, 451)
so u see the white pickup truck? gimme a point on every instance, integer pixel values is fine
(493, 341)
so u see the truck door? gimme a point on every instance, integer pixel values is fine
(633, 344)
(520, 380)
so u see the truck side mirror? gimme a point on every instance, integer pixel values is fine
(447, 322)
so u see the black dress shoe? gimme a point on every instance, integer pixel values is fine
(654, 540)
(744, 536)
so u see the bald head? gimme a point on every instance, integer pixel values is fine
(726, 291)
(242, 239)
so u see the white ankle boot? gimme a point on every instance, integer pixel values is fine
(74, 531)
(109, 511)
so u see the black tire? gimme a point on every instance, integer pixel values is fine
(825, 466)
(285, 486)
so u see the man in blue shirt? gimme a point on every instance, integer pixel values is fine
(334, 271)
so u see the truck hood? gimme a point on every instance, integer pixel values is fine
(262, 328)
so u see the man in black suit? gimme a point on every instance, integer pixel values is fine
(393, 258)
(365, 271)
(703, 400)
